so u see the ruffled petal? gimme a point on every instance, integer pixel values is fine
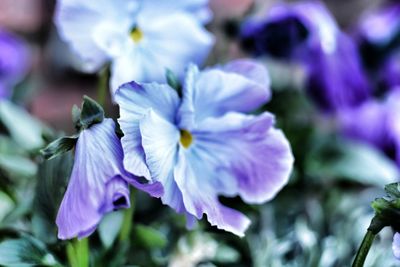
(168, 42)
(134, 101)
(200, 197)
(160, 141)
(95, 182)
(241, 85)
(265, 160)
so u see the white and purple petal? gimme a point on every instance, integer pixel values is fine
(134, 101)
(241, 85)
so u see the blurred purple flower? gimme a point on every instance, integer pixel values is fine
(396, 245)
(140, 38)
(375, 122)
(204, 145)
(98, 183)
(307, 33)
(336, 80)
(290, 29)
(13, 62)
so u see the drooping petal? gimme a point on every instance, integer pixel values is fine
(95, 182)
(265, 160)
(160, 141)
(170, 42)
(241, 86)
(134, 101)
(396, 245)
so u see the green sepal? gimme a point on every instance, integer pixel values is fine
(59, 146)
(173, 81)
(91, 113)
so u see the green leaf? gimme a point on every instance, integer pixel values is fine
(92, 112)
(226, 254)
(173, 81)
(17, 166)
(354, 162)
(149, 237)
(26, 251)
(23, 128)
(53, 177)
(59, 146)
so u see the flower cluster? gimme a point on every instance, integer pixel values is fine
(192, 143)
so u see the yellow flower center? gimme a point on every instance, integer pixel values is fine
(136, 34)
(186, 138)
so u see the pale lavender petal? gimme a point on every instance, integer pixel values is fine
(162, 48)
(160, 140)
(134, 101)
(91, 190)
(396, 245)
(265, 160)
(200, 197)
(78, 21)
(215, 91)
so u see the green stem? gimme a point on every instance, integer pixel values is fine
(102, 86)
(78, 252)
(364, 249)
(128, 220)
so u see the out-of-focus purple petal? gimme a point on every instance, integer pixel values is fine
(95, 182)
(396, 245)
(134, 101)
(289, 29)
(13, 59)
(390, 73)
(337, 80)
(241, 86)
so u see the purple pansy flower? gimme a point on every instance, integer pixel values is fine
(98, 183)
(13, 62)
(140, 38)
(204, 145)
(307, 33)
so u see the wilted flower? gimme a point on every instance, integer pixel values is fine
(307, 33)
(203, 145)
(140, 38)
(98, 183)
(13, 61)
